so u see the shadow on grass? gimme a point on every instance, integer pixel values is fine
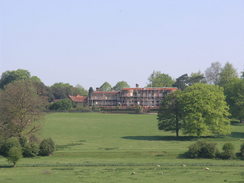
(161, 138)
(61, 147)
(237, 134)
(6, 166)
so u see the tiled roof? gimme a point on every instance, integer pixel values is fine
(104, 92)
(78, 98)
(151, 89)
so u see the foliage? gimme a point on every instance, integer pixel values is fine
(79, 90)
(228, 73)
(181, 82)
(30, 150)
(61, 105)
(158, 79)
(47, 147)
(242, 75)
(14, 154)
(120, 85)
(197, 77)
(169, 117)
(21, 107)
(105, 87)
(228, 151)
(8, 144)
(204, 110)
(184, 80)
(202, 149)
(234, 92)
(11, 76)
(61, 90)
(23, 141)
(90, 91)
(212, 73)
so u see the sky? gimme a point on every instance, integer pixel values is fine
(88, 42)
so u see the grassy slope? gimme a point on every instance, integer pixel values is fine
(93, 147)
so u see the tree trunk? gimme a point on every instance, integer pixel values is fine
(177, 126)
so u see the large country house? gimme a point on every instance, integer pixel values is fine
(127, 97)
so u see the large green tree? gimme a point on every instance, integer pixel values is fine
(227, 74)
(21, 107)
(120, 85)
(169, 114)
(10, 76)
(199, 110)
(204, 110)
(234, 92)
(105, 87)
(63, 90)
(158, 79)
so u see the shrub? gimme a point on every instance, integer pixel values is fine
(47, 147)
(193, 150)
(8, 144)
(202, 149)
(61, 105)
(23, 141)
(30, 150)
(14, 154)
(228, 151)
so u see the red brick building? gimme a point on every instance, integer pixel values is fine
(127, 97)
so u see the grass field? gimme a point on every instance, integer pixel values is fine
(104, 148)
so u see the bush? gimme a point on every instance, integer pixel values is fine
(14, 154)
(61, 105)
(30, 150)
(193, 150)
(47, 147)
(242, 151)
(228, 151)
(8, 144)
(23, 141)
(202, 149)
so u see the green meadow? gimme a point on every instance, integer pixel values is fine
(104, 148)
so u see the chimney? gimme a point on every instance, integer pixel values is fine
(137, 85)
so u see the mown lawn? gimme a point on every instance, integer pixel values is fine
(95, 147)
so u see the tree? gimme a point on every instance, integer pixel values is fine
(234, 92)
(120, 85)
(21, 107)
(90, 91)
(105, 87)
(11, 76)
(196, 77)
(158, 79)
(242, 75)
(204, 110)
(212, 73)
(227, 74)
(79, 90)
(181, 82)
(61, 90)
(169, 114)
(14, 154)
